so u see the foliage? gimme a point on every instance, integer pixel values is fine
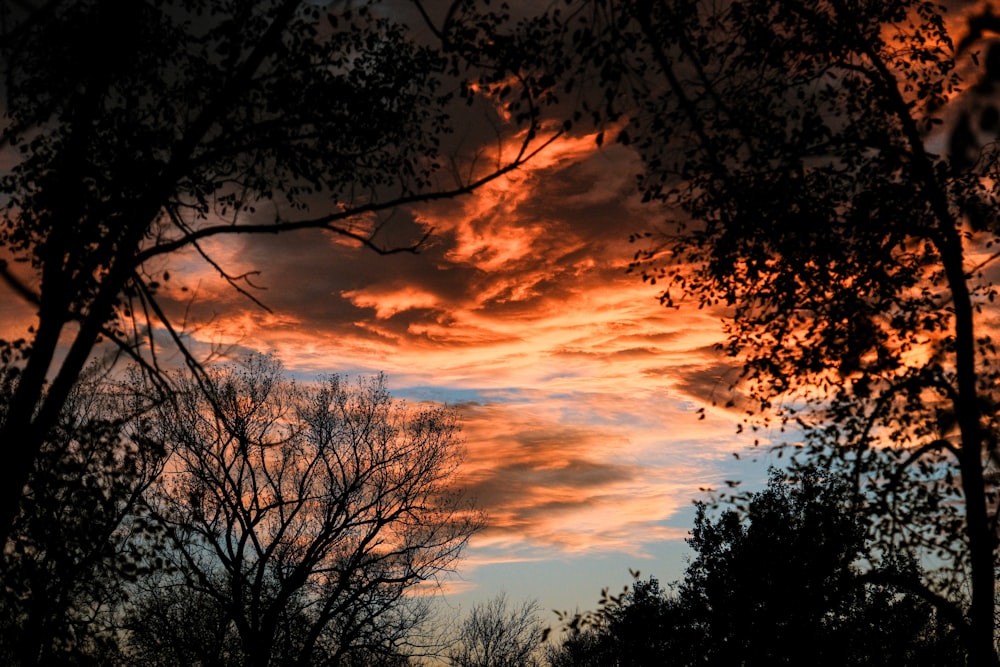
(171, 624)
(789, 146)
(299, 518)
(785, 581)
(781, 579)
(641, 626)
(495, 634)
(137, 130)
(81, 537)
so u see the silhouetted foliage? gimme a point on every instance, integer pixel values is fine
(169, 623)
(780, 579)
(299, 517)
(797, 151)
(82, 536)
(641, 626)
(137, 129)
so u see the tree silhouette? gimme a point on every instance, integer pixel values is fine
(134, 130)
(779, 578)
(169, 624)
(81, 539)
(782, 580)
(791, 148)
(641, 626)
(495, 634)
(301, 516)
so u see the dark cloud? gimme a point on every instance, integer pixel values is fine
(524, 495)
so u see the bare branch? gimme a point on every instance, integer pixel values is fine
(329, 222)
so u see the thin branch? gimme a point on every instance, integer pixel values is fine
(328, 222)
(197, 370)
(149, 329)
(232, 280)
(983, 263)
(440, 33)
(916, 455)
(909, 382)
(130, 349)
(677, 87)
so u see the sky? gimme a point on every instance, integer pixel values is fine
(577, 391)
(579, 394)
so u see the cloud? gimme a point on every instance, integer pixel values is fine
(392, 299)
(578, 391)
(586, 470)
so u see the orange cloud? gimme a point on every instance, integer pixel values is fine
(577, 390)
(390, 300)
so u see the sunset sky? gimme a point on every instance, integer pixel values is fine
(579, 393)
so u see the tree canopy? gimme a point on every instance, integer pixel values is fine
(779, 578)
(814, 192)
(496, 633)
(301, 516)
(133, 130)
(81, 539)
(248, 521)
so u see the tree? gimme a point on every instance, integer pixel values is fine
(784, 580)
(169, 624)
(779, 578)
(790, 147)
(300, 517)
(81, 538)
(641, 626)
(135, 130)
(494, 634)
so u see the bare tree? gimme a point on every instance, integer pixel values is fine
(170, 625)
(302, 515)
(495, 634)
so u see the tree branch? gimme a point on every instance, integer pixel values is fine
(949, 611)
(328, 222)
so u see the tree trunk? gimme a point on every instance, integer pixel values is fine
(21, 436)
(981, 541)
